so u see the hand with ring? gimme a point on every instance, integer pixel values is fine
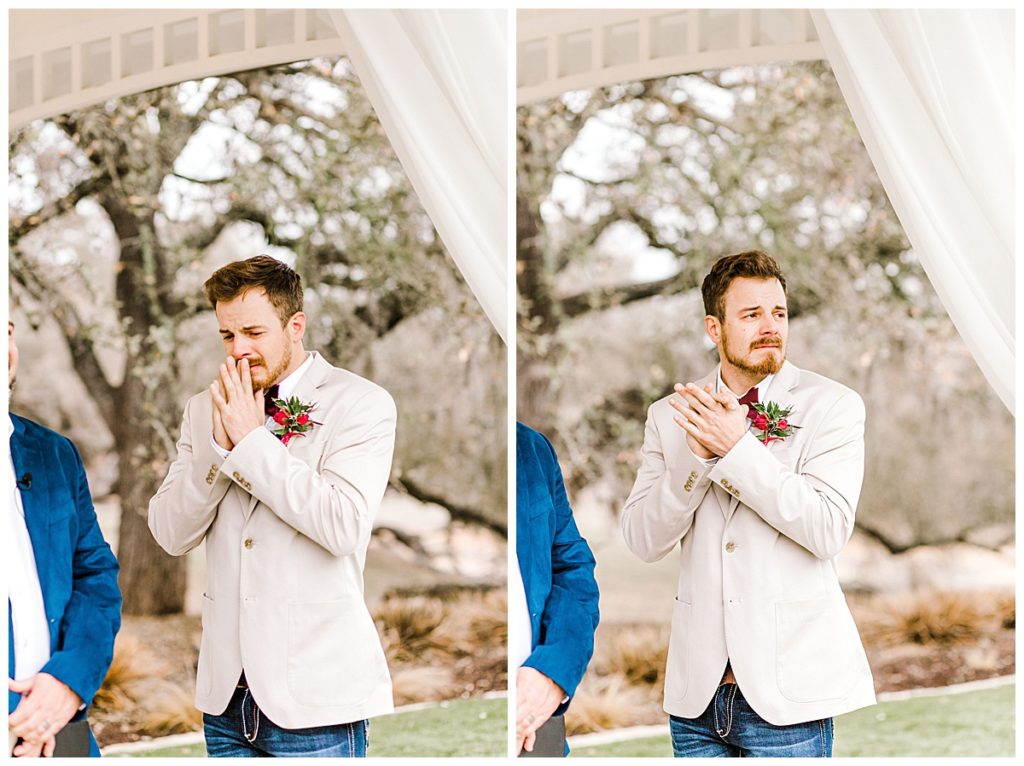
(46, 705)
(537, 697)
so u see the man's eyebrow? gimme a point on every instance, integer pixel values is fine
(755, 308)
(245, 328)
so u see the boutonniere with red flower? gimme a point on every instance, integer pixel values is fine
(772, 421)
(292, 418)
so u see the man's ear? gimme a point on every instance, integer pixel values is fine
(713, 327)
(297, 326)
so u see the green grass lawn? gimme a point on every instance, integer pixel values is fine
(461, 728)
(976, 724)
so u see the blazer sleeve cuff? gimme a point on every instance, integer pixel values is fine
(552, 664)
(206, 464)
(66, 669)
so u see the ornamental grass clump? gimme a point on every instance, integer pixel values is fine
(637, 652)
(928, 618)
(132, 665)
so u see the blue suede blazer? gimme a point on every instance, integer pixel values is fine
(77, 570)
(556, 564)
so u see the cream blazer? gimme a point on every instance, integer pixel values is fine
(757, 535)
(286, 531)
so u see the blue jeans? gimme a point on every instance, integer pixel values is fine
(730, 728)
(244, 731)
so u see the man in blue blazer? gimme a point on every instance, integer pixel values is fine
(554, 592)
(63, 605)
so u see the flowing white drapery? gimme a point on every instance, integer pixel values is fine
(438, 82)
(932, 93)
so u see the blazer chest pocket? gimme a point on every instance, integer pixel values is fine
(539, 503)
(540, 514)
(60, 508)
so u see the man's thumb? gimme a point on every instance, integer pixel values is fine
(19, 686)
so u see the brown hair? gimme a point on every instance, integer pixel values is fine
(281, 284)
(755, 264)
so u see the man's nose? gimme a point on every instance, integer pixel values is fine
(769, 325)
(240, 349)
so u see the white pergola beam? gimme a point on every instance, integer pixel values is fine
(66, 59)
(563, 50)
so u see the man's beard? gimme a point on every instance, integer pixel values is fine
(270, 377)
(767, 366)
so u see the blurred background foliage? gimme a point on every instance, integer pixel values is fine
(120, 211)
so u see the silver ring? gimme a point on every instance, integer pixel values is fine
(531, 718)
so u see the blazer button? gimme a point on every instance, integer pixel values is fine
(730, 547)
(248, 542)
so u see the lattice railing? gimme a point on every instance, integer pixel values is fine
(563, 50)
(59, 63)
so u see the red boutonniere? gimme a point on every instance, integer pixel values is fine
(292, 418)
(772, 421)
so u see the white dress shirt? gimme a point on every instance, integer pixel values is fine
(284, 390)
(28, 615)
(521, 637)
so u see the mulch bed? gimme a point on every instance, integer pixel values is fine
(913, 666)
(172, 644)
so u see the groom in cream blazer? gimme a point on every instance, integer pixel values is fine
(763, 649)
(290, 661)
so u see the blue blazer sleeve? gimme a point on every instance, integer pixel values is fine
(565, 643)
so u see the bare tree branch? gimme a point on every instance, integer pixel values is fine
(77, 335)
(20, 227)
(205, 182)
(472, 516)
(607, 297)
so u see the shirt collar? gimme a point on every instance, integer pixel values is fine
(287, 386)
(762, 387)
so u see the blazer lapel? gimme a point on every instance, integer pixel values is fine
(524, 531)
(307, 391)
(29, 459)
(785, 381)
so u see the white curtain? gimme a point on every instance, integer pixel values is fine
(933, 95)
(438, 80)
